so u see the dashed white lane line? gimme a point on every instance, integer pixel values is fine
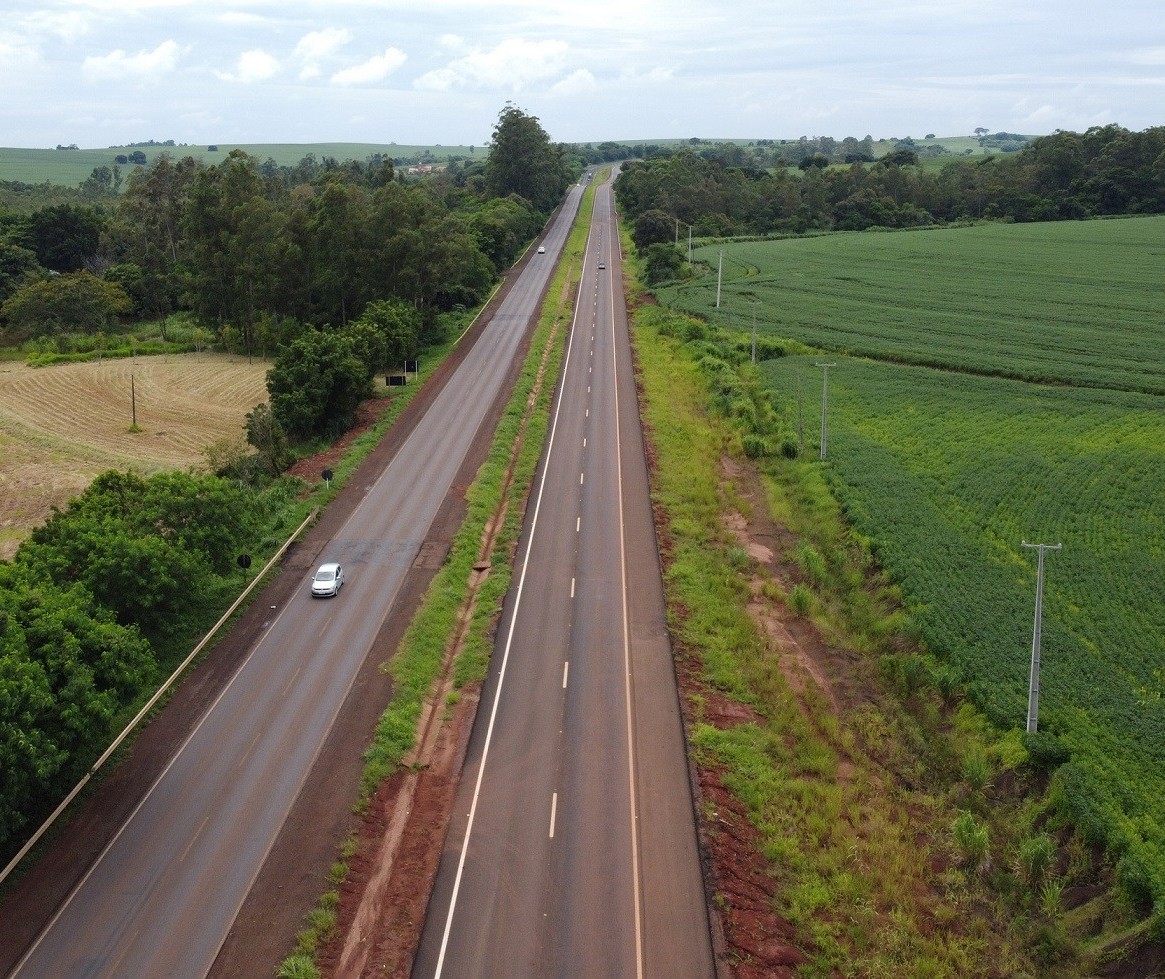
(553, 812)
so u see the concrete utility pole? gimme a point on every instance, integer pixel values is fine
(824, 402)
(1033, 693)
(719, 277)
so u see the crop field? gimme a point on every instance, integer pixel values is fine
(61, 426)
(946, 456)
(71, 167)
(946, 475)
(1063, 303)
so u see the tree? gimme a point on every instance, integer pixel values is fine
(267, 436)
(79, 302)
(66, 669)
(316, 384)
(65, 236)
(102, 182)
(18, 266)
(523, 161)
(662, 262)
(653, 227)
(386, 334)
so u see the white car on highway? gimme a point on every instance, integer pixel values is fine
(328, 581)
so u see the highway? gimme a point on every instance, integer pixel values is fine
(161, 897)
(572, 848)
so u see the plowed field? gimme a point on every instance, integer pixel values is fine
(61, 426)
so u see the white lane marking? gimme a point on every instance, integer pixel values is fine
(577, 524)
(251, 746)
(634, 813)
(553, 812)
(572, 588)
(588, 414)
(505, 662)
(565, 673)
(193, 839)
(291, 682)
(581, 478)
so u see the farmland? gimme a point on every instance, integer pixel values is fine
(944, 472)
(1060, 302)
(71, 167)
(60, 426)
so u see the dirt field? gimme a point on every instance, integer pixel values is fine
(61, 426)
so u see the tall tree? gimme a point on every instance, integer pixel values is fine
(523, 161)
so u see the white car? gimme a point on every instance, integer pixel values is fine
(541, 249)
(328, 581)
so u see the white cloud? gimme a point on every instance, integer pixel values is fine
(511, 64)
(252, 66)
(68, 27)
(373, 70)
(577, 82)
(319, 46)
(146, 64)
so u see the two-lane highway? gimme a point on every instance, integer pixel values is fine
(572, 846)
(161, 898)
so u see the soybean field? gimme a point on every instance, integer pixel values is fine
(1041, 419)
(1079, 302)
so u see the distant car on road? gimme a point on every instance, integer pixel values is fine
(602, 265)
(328, 581)
(541, 249)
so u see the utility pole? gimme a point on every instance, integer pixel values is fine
(1033, 692)
(719, 277)
(824, 402)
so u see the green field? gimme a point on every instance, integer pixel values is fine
(71, 167)
(946, 471)
(1064, 303)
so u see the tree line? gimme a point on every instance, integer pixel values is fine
(1104, 171)
(316, 243)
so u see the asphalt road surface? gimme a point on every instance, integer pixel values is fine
(572, 846)
(160, 899)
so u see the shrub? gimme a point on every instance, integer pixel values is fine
(755, 446)
(971, 839)
(298, 967)
(801, 599)
(1035, 856)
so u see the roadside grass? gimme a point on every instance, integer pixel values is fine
(857, 808)
(498, 493)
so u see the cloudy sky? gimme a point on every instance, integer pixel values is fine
(106, 72)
